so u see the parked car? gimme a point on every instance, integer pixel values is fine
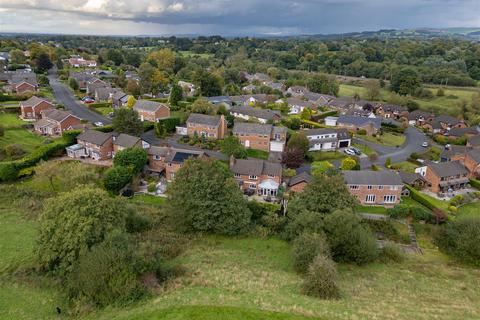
(425, 144)
(357, 152)
(88, 100)
(98, 124)
(350, 152)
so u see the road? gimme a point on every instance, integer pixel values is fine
(65, 96)
(413, 143)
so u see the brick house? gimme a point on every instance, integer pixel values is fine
(95, 144)
(356, 123)
(472, 163)
(212, 127)
(96, 84)
(264, 137)
(327, 139)
(54, 122)
(23, 87)
(256, 114)
(443, 124)
(374, 187)
(151, 111)
(32, 108)
(124, 141)
(419, 118)
(390, 111)
(170, 160)
(473, 142)
(413, 179)
(260, 176)
(299, 182)
(297, 91)
(445, 177)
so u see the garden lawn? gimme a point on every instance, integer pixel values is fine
(371, 209)
(103, 110)
(258, 154)
(406, 166)
(387, 139)
(149, 199)
(24, 138)
(326, 155)
(364, 149)
(469, 210)
(9, 120)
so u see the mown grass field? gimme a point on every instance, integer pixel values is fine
(22, 137)
(448, 104)
(469, 210)
(9, 120)
(387, 139)
(258, 154)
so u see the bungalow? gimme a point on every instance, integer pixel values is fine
(297, 91)
(327, 139)
(93, 86)
(340, 104)
(119, 99)
(54, 122)
(260, 176)
(226, 101)
(446, 177)
(415, 180)
(104, 94)
(256, 114)
(32, 108)
(442, 124)
(299, 182)
(374, 187)
(151, 111)
(124, 141)
(356, 123)
(390, 111)
(297, 105)
(83, 79)
(93, 144)
(260, 136)
(419, 118)
(80, 62)
(318, 98)
(360, 113)
(212, 127)
(463, 132)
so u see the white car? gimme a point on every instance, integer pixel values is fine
(98, 124)
(425, 144)
(350, 152)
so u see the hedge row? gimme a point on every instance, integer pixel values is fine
(7, 97)
(313, 123)
(106, 128)
(475, 183)
(9, 170)
(420, 198)
(100, 105)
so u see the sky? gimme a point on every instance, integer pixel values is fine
(232, 17)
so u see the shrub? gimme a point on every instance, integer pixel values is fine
(461, 239)
(419, 197)
(306, 247)
(321, 279)
(8, 172)
(133, 158)
(152, 187)
(391, 253)
(440, 92)
(475, 183)
(165, 126)
(362, 132)
(452, 209)
(349, 240)
(399, 212)
(14, 151)
(116, 178)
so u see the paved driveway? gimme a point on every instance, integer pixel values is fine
(65, 96)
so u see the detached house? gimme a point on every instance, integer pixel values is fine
(151, 111)
(355, 123)
(259, 176)
(256, 114)
(419, 118)
(93, 144)
(297, 91)
(170, 159)
(119, 99)
(446, 177)
(297, 105)
(389, 111)
(54, 122)
(299, 182)
(32, 108)
(327, 139)
(443, 124)
(124, 141)
(374, 187)
(473, 142)
(96, 84)
(213, 127)
(260, 136)
(472, 163)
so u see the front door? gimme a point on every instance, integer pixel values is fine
(247, 143)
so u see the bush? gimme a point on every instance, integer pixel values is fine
(419, 197)
(152, 187)
(475, 183)
(8, 172)
(391, 253)
(349, 240)
(452, 209)
(306, 247)
(321, 279)
(166, 126)
(116, 178)
(461, 239)
(133, 158)
(14, 151)
(400, 211)
(362, 132)
(440, 92)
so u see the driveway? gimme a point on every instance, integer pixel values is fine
(413, 143)
(64, 95)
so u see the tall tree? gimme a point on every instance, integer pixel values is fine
(209, 84)
(176, 95)
(405, 81)
(145, 73)
(125, 120)
(43, 62)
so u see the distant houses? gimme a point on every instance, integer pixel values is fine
(256, 114)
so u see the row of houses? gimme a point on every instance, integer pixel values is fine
(19, 81)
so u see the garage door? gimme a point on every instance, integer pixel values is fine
(344, 144)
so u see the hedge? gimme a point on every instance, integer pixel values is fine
(6, 97)
(10, 170)
(107, 128)
(166, 126)
(475, 183)
(162, 100)
(325, 114)
(100, 105)
(312, 123)
(420, 198)
(10, 109)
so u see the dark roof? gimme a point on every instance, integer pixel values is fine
(474, 141)
(458, 132)
(474, 154)
(256, 167)
(147, 105)
(410, 178)
(55, 114)
(340, 102)
(256, 112)
(94, 136)
(158, 151)
(126, 140)
(394, 108)
(203, 119)
(372, 178)
(446, 119)
(447, 169)
(33, 101)
(252, 128)
(180, 155)
(452, 151)
(417, 114)
(302, 177)
(360, 121)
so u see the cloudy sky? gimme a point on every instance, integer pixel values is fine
(231, 17)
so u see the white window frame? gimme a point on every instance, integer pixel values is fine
(252, 177)
(370, 198)
(389, 198)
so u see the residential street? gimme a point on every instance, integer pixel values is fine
(64, 96)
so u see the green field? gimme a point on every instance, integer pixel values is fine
(326, 155)
(9, 120)
(258, 154)
(188, 54)
(22, 137)
(447, 104)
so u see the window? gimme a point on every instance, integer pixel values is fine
(157, 157)
(354, 187)
(252, 186)
(369, 187)
(380, 187)
(237, 175)
(169, 164)
(252, 177)
(389, 198)
(370, 198)
(393, 187)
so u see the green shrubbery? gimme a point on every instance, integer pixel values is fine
(165, 126)
(391, 253)
(321, 279)
(116, 178)
(306, 247)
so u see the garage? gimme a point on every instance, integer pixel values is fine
(344, 144)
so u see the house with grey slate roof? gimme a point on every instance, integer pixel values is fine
(328, 139)
(92, 144)
(257, 176)
(255, 114)
(355, 123)
(260, 136)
